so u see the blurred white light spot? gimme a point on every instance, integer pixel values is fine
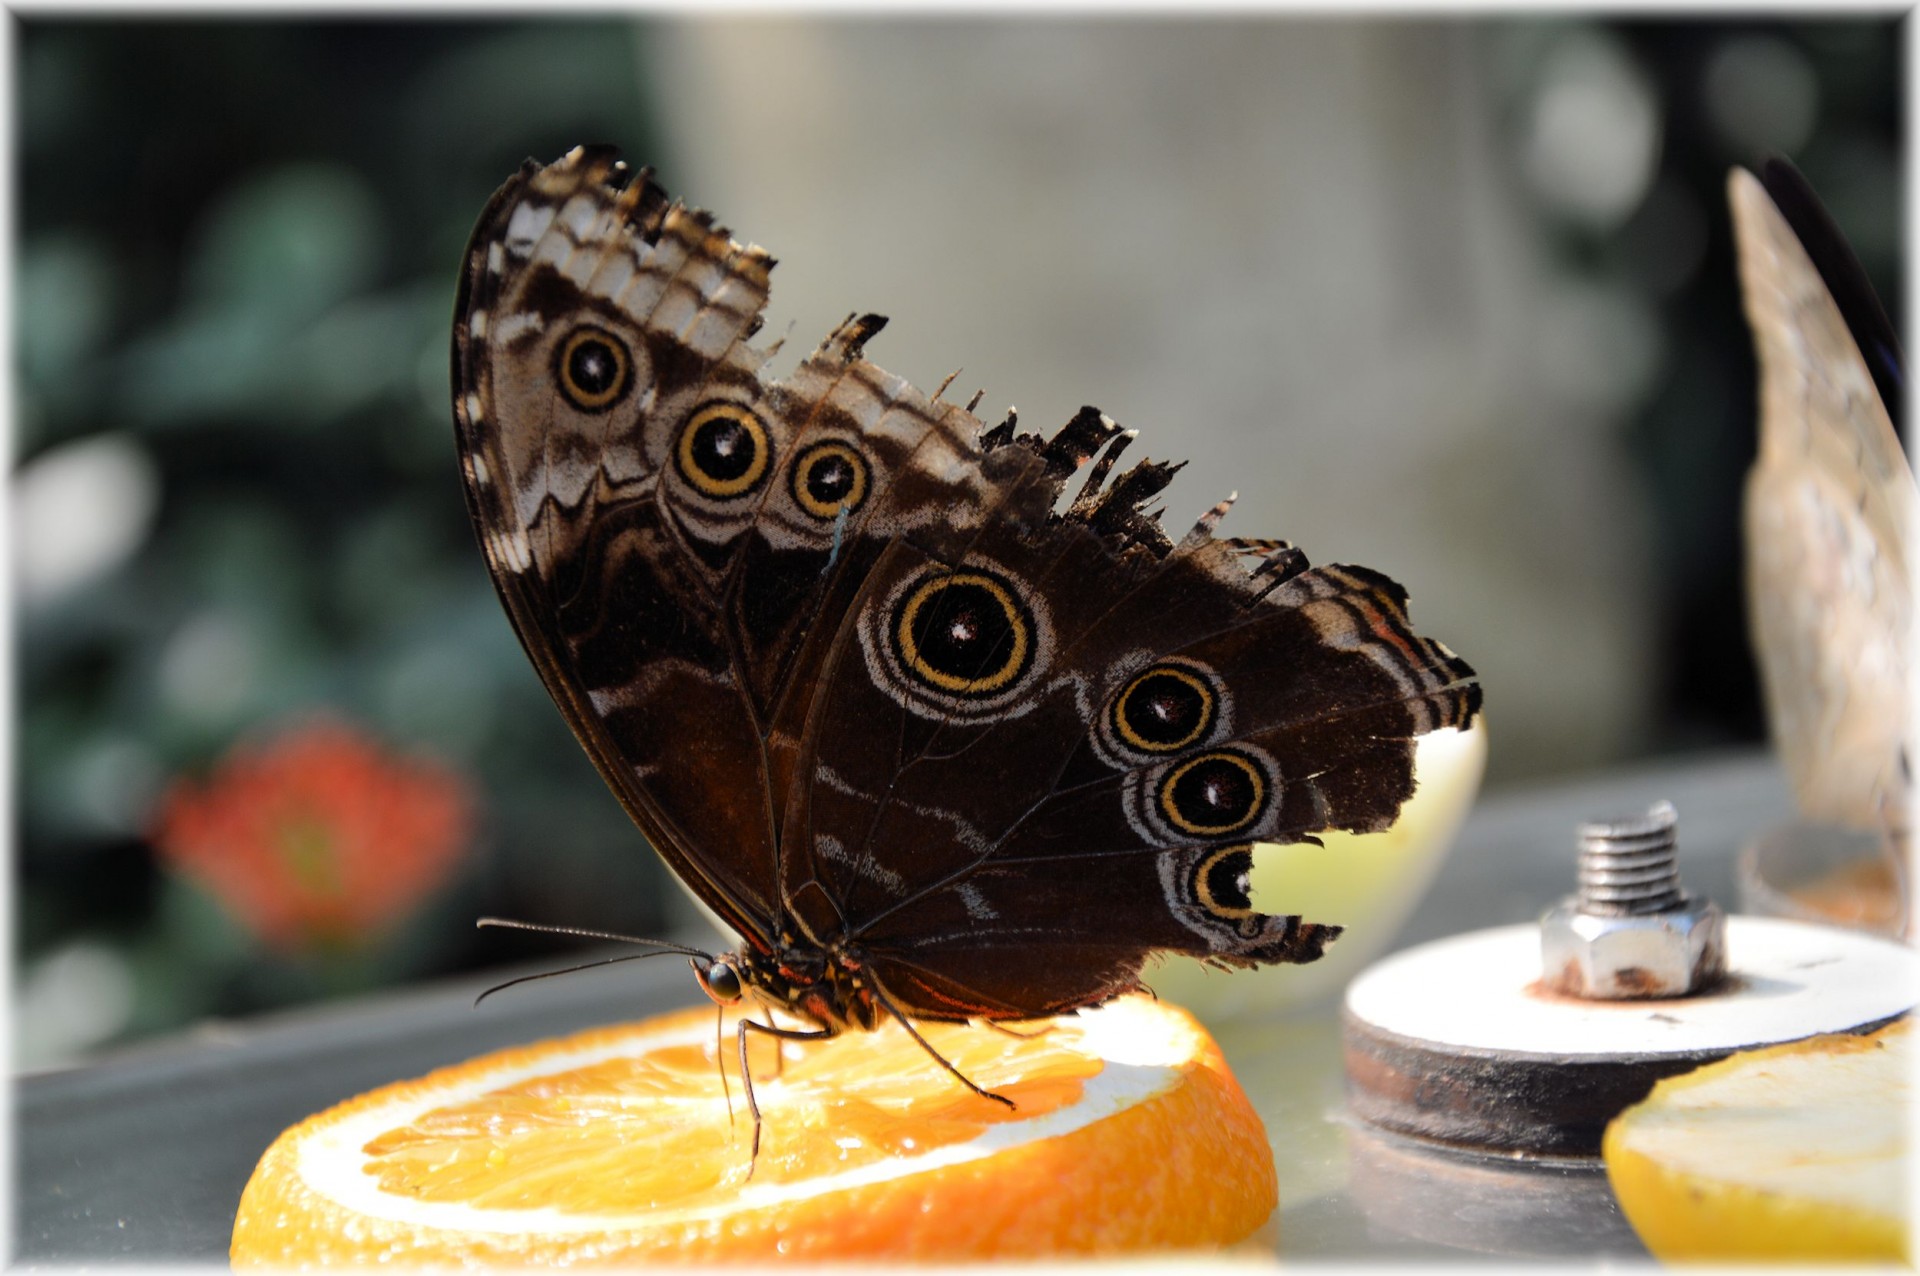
(1593, 135)
(79, 511)
(209, 666)
(113, 783)
(1762, 96)
(74, 998)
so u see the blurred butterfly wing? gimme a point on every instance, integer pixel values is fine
(1845, 280)
(1828, 505)
(596, 323)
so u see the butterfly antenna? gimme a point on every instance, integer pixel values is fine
(566, 970)
(664, 946)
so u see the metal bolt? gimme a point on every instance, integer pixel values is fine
(1632, 865)
(1632, 931)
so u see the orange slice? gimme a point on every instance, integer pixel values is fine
(1795, 1152)
(616, 1146)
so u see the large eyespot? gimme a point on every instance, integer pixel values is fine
(724, 451)
(1215, 794)
(829, 477)
(1165, 709)
(593, 368)
(966, 633)
(960, 645)
(1165, 706)
(1221, 882)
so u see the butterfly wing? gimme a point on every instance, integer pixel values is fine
(1828, 504)
(615, 439)
(1038, 751)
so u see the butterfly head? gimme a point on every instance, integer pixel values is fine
(720, 980)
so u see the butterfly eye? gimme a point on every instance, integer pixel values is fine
(829, 478)
(593, 369)
(964, 633)
(724, 450)
(1214, 794)
(721, 982)
(1221, 882)
(1164, 709)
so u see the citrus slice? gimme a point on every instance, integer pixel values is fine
(1795, 1152)
(616, 1146)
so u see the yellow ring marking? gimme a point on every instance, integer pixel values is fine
(705, 483)
(1185, 825)
(802, 468)
(1203, 890)
(578, 396)
(910, 649)
(1145, 745)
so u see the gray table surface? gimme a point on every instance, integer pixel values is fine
(141, 1156)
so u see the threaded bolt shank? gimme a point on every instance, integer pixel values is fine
(1631, 866)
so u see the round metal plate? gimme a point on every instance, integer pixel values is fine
(1457, 1042)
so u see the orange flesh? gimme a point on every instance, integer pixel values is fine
(640, 1132)
(1157, 1148)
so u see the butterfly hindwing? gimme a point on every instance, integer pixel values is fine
(1077, 733)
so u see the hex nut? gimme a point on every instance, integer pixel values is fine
(1671, 953)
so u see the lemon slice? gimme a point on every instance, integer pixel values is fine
(1795, 1152)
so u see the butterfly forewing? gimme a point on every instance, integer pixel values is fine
(596, 323)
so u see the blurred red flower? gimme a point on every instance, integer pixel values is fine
(317, 837)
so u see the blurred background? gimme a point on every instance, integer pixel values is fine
(1452, 299)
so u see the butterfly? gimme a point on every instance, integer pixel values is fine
(935, 741)
(1829, 503)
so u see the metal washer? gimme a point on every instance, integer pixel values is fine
(1457, 1042)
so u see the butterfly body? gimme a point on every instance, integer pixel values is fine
(821, 986)
(936, 742)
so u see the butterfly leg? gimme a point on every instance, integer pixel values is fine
(1001, 1028)
(938, 1058)
(746, 1074)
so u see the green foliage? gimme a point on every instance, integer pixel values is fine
(238, 245)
